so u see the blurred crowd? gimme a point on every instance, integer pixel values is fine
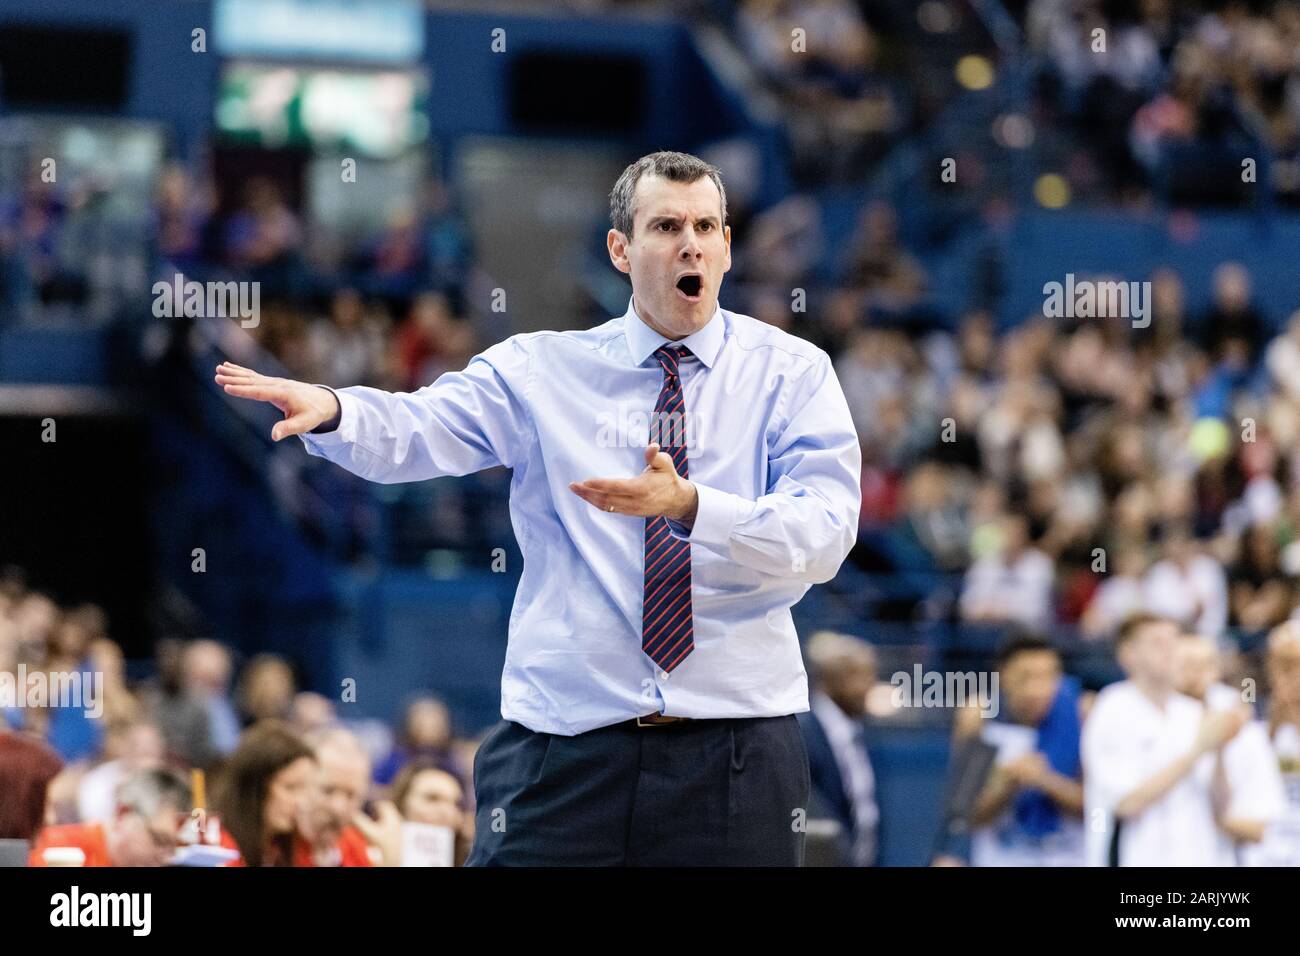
(1181, 762)
(285, 779)
(1057, 472)
(383, 306)
(839, 105)
(380, 309)
(1075, 471)
(1173, 95)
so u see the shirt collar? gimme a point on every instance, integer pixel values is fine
(642, 341)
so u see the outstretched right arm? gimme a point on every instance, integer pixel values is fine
(464, 422)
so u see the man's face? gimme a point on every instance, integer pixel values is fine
(677, 233)
(429, 725)
(848, 685)
(207, 668)
(144, 747)
(1030, 680)
(339, 792)
(1198, 667)
(1152, 654)
(136, 840)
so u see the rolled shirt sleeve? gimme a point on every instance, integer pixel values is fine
(463, 422)
(806, 524)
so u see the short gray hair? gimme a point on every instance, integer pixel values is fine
(675, 167)
(334, 738)
(146, 792)
(829, 651)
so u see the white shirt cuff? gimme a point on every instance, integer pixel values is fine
(347, 430)
(715, 519)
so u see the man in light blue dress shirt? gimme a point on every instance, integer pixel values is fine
(682, 475)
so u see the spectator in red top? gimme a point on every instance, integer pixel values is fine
(151, 805)
(26, 768)
(431, 341)
(262, 792)
(350, 849)
(326, 835)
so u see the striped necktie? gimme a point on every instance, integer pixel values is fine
(667, 627)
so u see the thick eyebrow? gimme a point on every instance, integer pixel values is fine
(658, 219)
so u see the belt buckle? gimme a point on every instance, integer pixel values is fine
(656, 720)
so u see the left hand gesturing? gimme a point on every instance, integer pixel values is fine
(658, 490)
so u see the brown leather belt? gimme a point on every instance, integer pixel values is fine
(657, 720)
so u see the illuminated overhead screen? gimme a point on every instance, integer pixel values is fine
(368, 31)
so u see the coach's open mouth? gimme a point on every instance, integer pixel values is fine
(689, 286)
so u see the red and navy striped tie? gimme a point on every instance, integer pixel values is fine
(667, 628)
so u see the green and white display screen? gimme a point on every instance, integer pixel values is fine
(375, 113)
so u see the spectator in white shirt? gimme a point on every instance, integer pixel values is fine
(1148, 759)
(1188, 586)
(1254, 786)
(1281, 843)
(134, 747)
(1118, 597)
(1011, 586)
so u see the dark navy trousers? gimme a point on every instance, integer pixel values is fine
(731, 792)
